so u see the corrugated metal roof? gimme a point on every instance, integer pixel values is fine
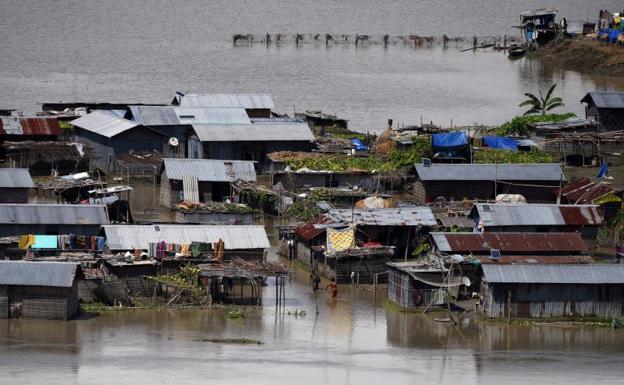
(15, 178)
(248, 101)
(308, 231)
(210, 170)
(603, 99)
(588, 274)
(486, 172)
(23, 273)
(537, 214)
(39, 126)
(403, 216)
(587, 191)
(235, 237)
(538, 259)
(256, 132)
(104, 123)
(509, 242)
(171, 116)
(154, 115)
(53, 214)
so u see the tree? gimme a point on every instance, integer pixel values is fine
(543, 104)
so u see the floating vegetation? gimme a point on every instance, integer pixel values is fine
(236, 314)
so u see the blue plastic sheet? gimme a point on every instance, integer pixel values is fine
(358, 145)
(604, 168)
(452, 139)
(500, 143)
(45, 242)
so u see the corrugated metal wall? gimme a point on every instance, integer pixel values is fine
(403, 290)
(4, 303)
(554, 301)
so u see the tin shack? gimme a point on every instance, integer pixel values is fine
(202, 180)
(256, 105)
(606, 109)
(14, 185)
(39, 290)
(51, 219)
(552, 291)
(538, 218)
(485, 181)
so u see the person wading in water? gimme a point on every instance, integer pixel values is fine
(334, 288)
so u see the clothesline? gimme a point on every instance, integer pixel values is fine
(62, 242)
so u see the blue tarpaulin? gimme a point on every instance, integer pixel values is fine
(452, 139)
(500, 143)
(604, 168)
(358, 145)
(45, 242)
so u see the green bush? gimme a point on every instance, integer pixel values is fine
(520, 124)
(490, 155)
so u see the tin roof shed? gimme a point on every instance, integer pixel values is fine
(24, 273)
(604, 99)
(210, 170)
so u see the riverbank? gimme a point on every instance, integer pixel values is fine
(585, 55)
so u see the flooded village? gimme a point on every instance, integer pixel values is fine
(219, 237)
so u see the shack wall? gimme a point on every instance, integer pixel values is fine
(486, 190)
(4, 302)
(364, 269)
(553, 300)
(214, 218)
(43, 302)
(13, 195)
(409, 293)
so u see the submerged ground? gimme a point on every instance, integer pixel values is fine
(350, 341)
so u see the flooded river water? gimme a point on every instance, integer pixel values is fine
(144, 51)
(351, 340)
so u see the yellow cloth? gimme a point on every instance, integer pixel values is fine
(340, 240)
(26, 241)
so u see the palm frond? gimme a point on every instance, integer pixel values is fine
(550, 91)
(554, 105)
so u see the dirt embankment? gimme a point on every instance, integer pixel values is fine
(584, 55)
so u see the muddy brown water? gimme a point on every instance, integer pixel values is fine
(351, 340)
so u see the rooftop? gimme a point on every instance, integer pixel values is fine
(490, 172)
(509, 242)
(266, 130)
(555, 274)
(53, 214)
(403, 216)
(105, 123)
(35, 126)
(15, 178)
(173, 116)
(248, 101)
(235, 237)
(23, 273)
(502, 214)
(210, 170)
(604, 99)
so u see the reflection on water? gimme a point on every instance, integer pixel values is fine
(349, 341)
